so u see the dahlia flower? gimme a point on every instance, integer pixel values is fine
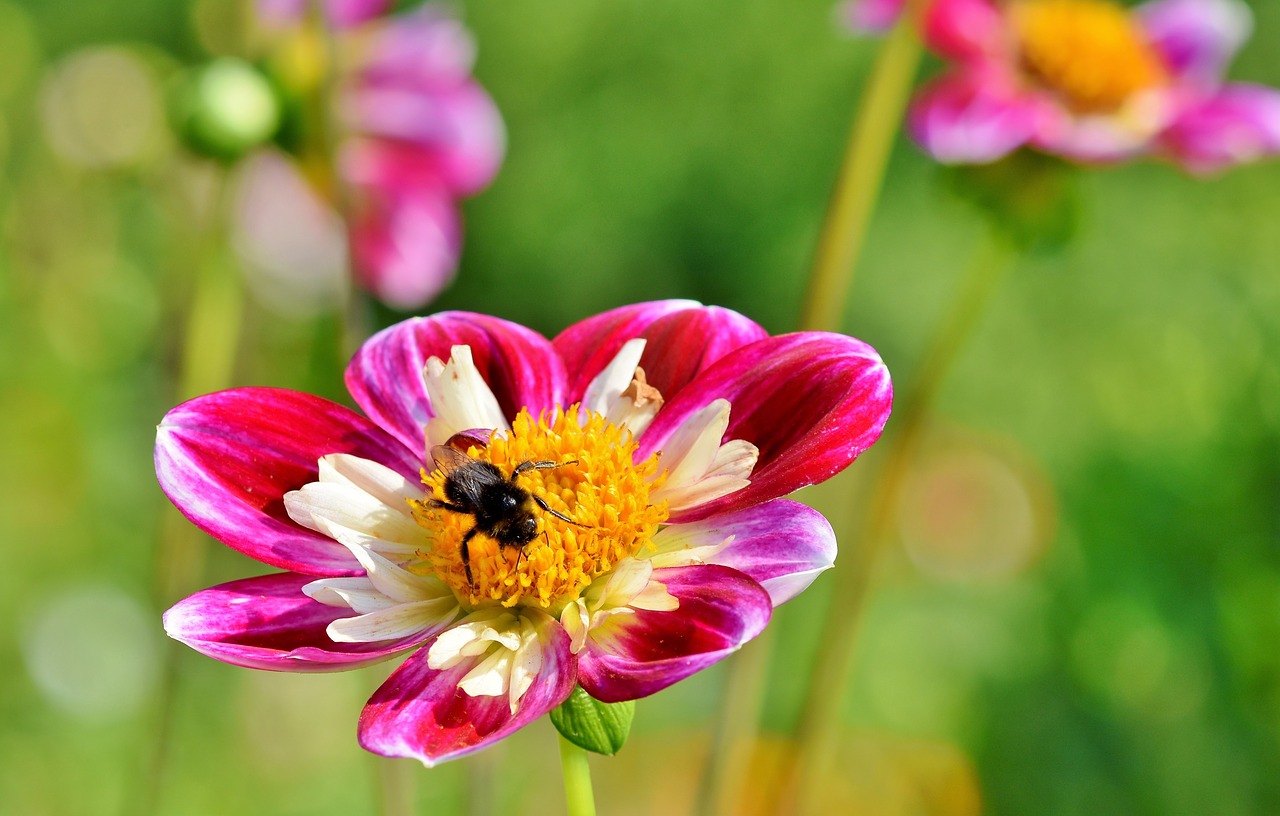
(1089, 80)
(663, 434)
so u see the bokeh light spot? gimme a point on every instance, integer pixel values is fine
(91, 651)
(101, 108)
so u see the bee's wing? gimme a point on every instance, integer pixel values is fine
(453, 454)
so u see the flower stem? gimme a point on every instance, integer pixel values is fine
(834, 666)
(857, 187)
(875, 123)
(206, 364)
(577, 779)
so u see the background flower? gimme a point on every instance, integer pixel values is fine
(1088, 80)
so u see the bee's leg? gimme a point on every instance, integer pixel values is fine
(531, 465)
(541, 503)
(466, 554)
(436, 503)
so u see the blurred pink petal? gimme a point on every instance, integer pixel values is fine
(870, 16)
(964, 29)
(1197, 38)
(1241, 123)
(962, 118)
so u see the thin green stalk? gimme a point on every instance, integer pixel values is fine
(206, 363)
(834, 666)
(857, 187)
(875, 124)
(578, 797)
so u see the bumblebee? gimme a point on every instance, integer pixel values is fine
(503, 510)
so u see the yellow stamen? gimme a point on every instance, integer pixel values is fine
(1089, 51)
(603, 492)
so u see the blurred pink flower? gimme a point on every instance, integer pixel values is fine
(423, 134)
(664, 542)
(1086, 79)
(341, 13)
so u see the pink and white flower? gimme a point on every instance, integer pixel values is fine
(1088, 80)
(675, 429)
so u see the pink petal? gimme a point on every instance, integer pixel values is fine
(420, 712)
(684, 338)
(1239, 124)
(227, 459)
(720, 609)
(971, 118)
(385, 376)
(1197, 38)
(267, 623)
(811, 402)
(456, 131)
(965, 29)
(405, 244)
(870, 16)
(781, 545)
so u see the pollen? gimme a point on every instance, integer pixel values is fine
(595, 484)
(1091, 52)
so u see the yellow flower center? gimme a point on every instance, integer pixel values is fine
(595, 484)
(1089, 51)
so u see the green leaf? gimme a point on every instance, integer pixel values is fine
(592, 725)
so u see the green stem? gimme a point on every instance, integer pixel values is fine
(579, 799)
(857, 188)
(875, 123)
(206, 364)
(833, 670)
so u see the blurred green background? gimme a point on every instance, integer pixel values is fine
(1081, 612)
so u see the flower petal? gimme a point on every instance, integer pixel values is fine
(268, 623)
(635, 655)
(782, 545)
(422, 713)
(810, 402)
(362, 496)
(966, 118)
(1196, 38)
(683, 339)
(870, 16)
(964, 29)
(1239, 124)
(227, 459)
(385, 376)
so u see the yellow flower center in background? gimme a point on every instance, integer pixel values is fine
(1090, 51)
(603, 492)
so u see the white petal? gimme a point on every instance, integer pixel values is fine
(395, 622)
(370, 477)
(678, 545)
(319, 503)
(655, 598)
(475, 635)
(576, 621)
(691, 449)
(391, 580)
(490, 677)
(608, 385)
(460, 398)
(700, 492)
(736, 458)
(525, 665)
(354, 593)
